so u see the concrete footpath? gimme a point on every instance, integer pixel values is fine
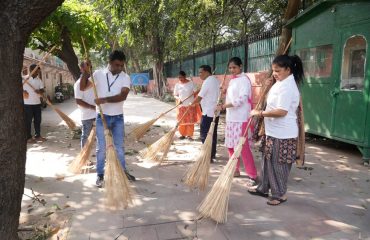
(328, 199)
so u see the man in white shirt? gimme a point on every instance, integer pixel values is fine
(113, 86)
(32, 104)
(208, 97)
(86, 102)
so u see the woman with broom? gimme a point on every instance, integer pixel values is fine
(281, 128)
(183, 89)
(238, 107)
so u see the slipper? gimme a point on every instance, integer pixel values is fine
(257, 193)
(279, 200)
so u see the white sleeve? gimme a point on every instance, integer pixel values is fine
(127, 81)
(204, 90)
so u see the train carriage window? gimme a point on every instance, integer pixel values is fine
(317, 61)
(353, 65)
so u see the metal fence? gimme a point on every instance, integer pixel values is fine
(257, 53)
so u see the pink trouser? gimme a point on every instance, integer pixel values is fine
(247, 157)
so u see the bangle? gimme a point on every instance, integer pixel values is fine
(261, 113)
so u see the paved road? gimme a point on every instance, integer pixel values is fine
(328, 200)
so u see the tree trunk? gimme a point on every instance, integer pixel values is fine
(160, 82)
(158, 66)
(286, 34)
(18, 19)
(68, 55)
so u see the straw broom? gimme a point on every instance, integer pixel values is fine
(70, 123)
(158, 151)
(81, 160)
(215, 205)
(197, 174)
(143, 128)
(118, 191)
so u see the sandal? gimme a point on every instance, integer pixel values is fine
(278, 200)
(237, 173)
(258, 193)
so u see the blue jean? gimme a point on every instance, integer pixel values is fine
(116, 126)
(87, 125)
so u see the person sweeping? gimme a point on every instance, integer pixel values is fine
(238, 105)
(113, 86)
(281, 129)
(207, 97)
(85, 100)
(183, 89)
(32, 104)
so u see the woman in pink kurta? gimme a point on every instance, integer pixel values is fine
(238, 107)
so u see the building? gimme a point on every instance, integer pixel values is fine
(53, 71)
(331, 37)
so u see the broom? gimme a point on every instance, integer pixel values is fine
(70, 123)
(158, 151)
(81, 160)
(118, 190)
(197, 174)
(215, 205)
(141, 129)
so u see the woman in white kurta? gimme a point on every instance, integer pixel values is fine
(281, 128)
(238, 107)
(183, 89)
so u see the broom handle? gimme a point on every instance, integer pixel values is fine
(176, 105)
(38, 65)
(220, 95)
(94, 86)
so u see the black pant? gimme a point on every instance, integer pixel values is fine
(205, 124)
(33, 112)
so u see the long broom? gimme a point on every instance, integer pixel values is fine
(215, 205)
(81, 160)
(197, 174)
(143, 128)
(158, 151)
(118, 191)
(70, 123)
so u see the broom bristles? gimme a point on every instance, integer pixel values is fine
(80, 161)
(197, 174)
(216, 203)
(118, 190)
(70, 123)
(143, 128)
(158, 150)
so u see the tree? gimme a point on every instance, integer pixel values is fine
(18, 19)
(65, 27)
(150, 23)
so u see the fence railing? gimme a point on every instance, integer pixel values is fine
(257, 53)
